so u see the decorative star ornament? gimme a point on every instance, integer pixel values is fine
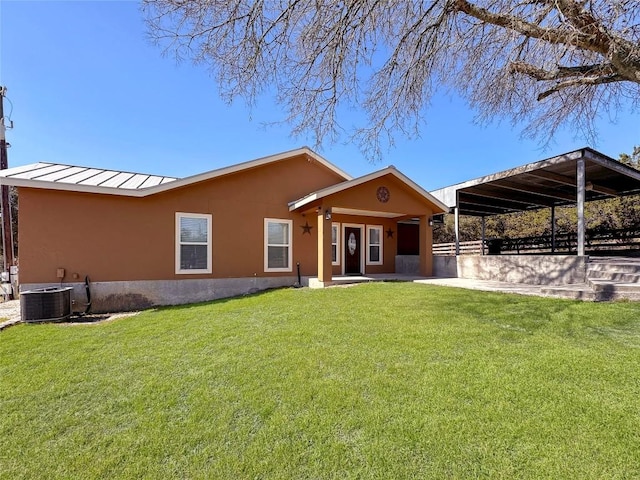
(389, 233)
(306, 228)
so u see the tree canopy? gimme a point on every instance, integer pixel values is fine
(543, 63)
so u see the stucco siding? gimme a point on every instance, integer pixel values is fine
(401, 198)
(114, 238)
(128, 240)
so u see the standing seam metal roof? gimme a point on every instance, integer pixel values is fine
(94, 177)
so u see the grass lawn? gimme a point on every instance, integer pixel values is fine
(385, 380)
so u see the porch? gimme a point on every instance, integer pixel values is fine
(362, 227)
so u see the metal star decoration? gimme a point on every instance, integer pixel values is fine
(306, 228)
(389, 233)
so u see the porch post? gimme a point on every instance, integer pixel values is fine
(426, 247)
(324, 247)
(484, 234)
(580, 184)
(553, 228)
(456, 217)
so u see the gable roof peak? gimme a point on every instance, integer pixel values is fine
(354, 182)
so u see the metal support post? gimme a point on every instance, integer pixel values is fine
(580, 197)
(553, 229)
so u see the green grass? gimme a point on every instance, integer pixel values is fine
(385, 381)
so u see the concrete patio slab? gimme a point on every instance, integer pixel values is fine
(471, 284)
(485, 285)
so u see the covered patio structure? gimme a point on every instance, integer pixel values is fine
(573, 178)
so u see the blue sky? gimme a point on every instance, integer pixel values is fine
(87, 88)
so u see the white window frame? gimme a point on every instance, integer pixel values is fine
(336, 243)
(267, 221)
(179, 243)
(369, 245)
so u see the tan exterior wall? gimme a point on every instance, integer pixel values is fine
(114, 238)
(401, 198)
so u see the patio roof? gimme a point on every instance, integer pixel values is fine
(546, 183)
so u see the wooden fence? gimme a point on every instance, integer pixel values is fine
(624, 241)
(466, 248)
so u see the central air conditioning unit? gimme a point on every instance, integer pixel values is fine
(46, 304)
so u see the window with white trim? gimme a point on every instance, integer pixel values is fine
(277, 245)
(335, 244)
(374, 244)
(193, 243)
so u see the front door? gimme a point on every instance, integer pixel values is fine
(352, 262)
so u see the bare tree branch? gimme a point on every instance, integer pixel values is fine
(544, 63)
(579, 81)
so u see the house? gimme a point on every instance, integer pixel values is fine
(147, 240)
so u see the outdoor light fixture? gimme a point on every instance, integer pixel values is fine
(431, 221)
(327, 215)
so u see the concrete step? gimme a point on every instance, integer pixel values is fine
(579, 291)
(606, 290)
(613, 276)
(620, 266)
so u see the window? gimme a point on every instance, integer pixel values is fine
(193, 243)
(277, 245)
(335, 242)
(374, 245)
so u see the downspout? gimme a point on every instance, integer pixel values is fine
(87, 306)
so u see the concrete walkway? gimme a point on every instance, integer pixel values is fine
(9, 313)
(486, 285)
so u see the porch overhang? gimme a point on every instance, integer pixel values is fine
(366, 213)
(384, 195)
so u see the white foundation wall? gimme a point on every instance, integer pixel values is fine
(529, 269)
(136, 295)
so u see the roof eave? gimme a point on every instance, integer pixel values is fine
(21, 182)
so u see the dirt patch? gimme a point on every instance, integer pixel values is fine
(10, 315)
(98, 318)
